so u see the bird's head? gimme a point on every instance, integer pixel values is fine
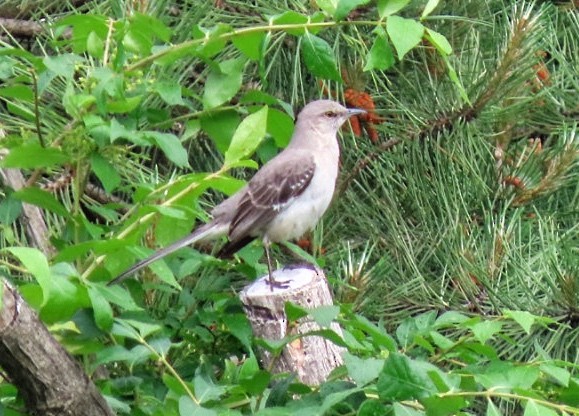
(326, 115)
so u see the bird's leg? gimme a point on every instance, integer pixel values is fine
(272, 282)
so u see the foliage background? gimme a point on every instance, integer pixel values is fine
(455, 233)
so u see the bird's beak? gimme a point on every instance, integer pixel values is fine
(355, 111)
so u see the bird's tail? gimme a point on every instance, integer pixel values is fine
(205, 232)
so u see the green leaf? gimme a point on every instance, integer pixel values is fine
(247, 137)
(10, 210)
(250, 44)
(402, 410)
(33, 155)
(389, 7)
(443, 406)
(561, 375)
(329, 6)
(294, 312)
(62, 65)
(361, 370)
(239, 326)
(19, 91)
(220, 127)
(188, 407)
(223, 83)
(430, 6)
(492, 410)
(95, 45)
(105, 172)
(124, 105)
(103, 313)
(523, 318)
(439, 42)
(280, 126)
(170, 92)
(319, 58)
(43, 199)
(206, 390)
(535, 409)
(405, 34)
(171, 146)
(290, 18)
(346, 6)
(324, 315)
(60, 297)
(506, 376)
(37, 265)
(380, 55)
(405, 379)
(213, 41)
(483, 331)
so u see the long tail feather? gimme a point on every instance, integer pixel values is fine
(205, 232)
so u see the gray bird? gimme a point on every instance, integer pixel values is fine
(285, 198)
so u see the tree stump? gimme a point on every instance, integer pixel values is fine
(312, 358)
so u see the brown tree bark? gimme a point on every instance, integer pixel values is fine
(311, 358)
(51, 382)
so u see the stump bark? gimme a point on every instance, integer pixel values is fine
(312, 358)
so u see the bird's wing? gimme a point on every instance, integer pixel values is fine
(272, 189)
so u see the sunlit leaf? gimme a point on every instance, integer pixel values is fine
(405, 34)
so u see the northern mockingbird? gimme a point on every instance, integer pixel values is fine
(285, 198)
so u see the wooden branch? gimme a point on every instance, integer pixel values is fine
(312, 358)
(17, 27)
(50, 381)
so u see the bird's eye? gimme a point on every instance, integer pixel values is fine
(330, 114)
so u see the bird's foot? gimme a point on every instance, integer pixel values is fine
(276, 284)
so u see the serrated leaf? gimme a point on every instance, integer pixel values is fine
(380, 55)
(389, 7)
(319, 58)
(33, 155)
(344, 7)
(105, 172)
(405, 34)
(42, 199)
(247, 137)
(223, 83)
(171, 146)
